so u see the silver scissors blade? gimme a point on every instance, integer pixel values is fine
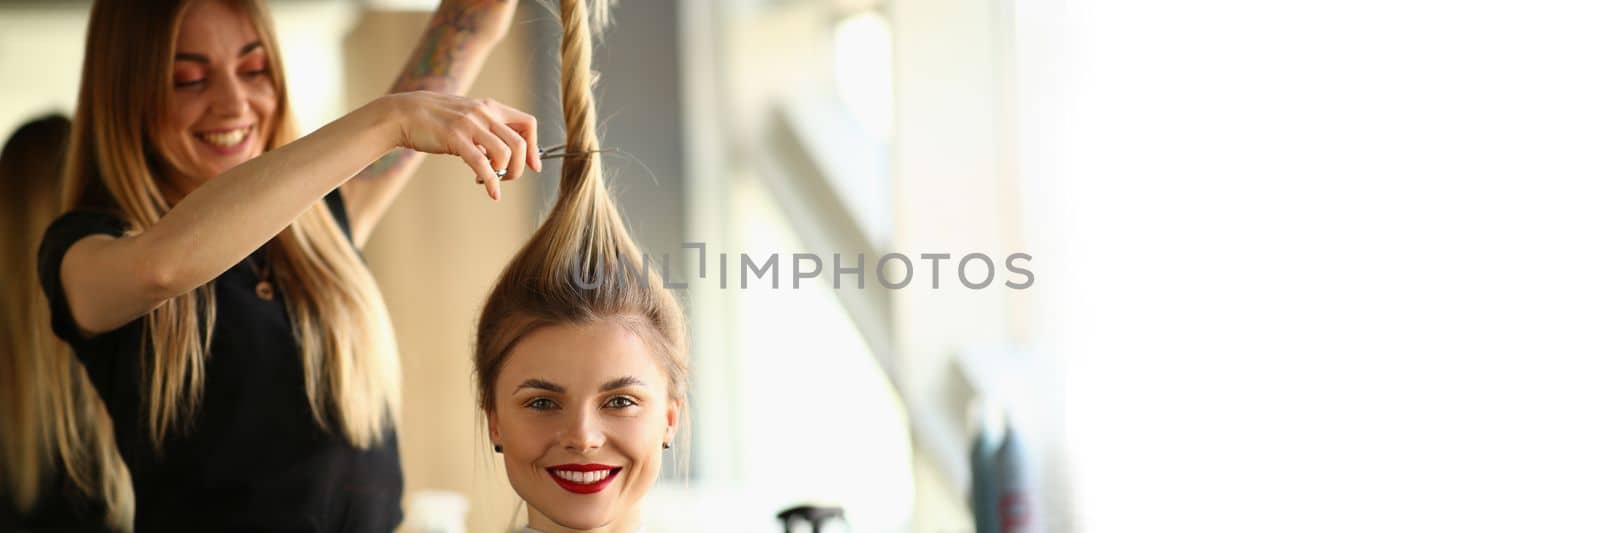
(552, 152)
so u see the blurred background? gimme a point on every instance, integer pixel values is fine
(1296, 266)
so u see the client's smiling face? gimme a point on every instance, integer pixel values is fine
(581, 412)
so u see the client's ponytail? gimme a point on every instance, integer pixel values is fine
(573, 270)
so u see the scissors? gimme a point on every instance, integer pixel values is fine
(549, 152)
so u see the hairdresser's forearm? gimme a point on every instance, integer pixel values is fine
(447, 59)
(454, 45)
(221, 222)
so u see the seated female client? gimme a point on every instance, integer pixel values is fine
(581, 371)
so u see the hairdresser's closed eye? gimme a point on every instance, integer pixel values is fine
(187, 76)
(254, 66)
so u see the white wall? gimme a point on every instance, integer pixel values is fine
(41, 53)
(1331, 266)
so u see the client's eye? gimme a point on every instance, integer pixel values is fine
(620, 402)
(540, 404)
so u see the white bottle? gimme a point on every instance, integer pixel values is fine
(438, 511)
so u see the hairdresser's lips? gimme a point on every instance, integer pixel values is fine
(583, 478)
(226, 141)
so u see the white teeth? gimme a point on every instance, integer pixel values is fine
(225, 139)
(584, 478)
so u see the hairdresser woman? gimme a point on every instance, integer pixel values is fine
(207, 274)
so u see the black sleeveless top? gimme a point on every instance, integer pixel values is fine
(254, 459)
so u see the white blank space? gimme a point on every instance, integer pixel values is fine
(1330, 266)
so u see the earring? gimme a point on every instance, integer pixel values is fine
(498, 449)
(666, 446)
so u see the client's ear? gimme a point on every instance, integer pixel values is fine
(672, 418)
(494, 428)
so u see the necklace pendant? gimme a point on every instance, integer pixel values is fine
(264, 290)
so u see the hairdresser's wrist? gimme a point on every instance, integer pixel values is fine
(383, 114)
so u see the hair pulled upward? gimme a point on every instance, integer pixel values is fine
(571, 271)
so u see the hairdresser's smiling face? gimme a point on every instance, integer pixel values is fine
(221, 100)
(591, 397)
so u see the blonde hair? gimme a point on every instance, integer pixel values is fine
(347, 344)
(570, 271)
(52, 415)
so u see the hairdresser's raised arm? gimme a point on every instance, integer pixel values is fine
(447, 59)
(111, 281)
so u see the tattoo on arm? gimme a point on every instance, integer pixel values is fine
(432, 67)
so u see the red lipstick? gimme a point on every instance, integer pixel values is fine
(608, 473)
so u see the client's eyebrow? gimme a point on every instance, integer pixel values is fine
(536, 383)
(621, 382)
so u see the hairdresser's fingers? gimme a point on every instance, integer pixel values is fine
(498, 156)
(485, 152)
(519, 149)
(496, 117)
(473, 155)
(523, 124)
(530, 136)
(487, 114)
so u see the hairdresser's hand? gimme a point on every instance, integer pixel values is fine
(486, 134)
